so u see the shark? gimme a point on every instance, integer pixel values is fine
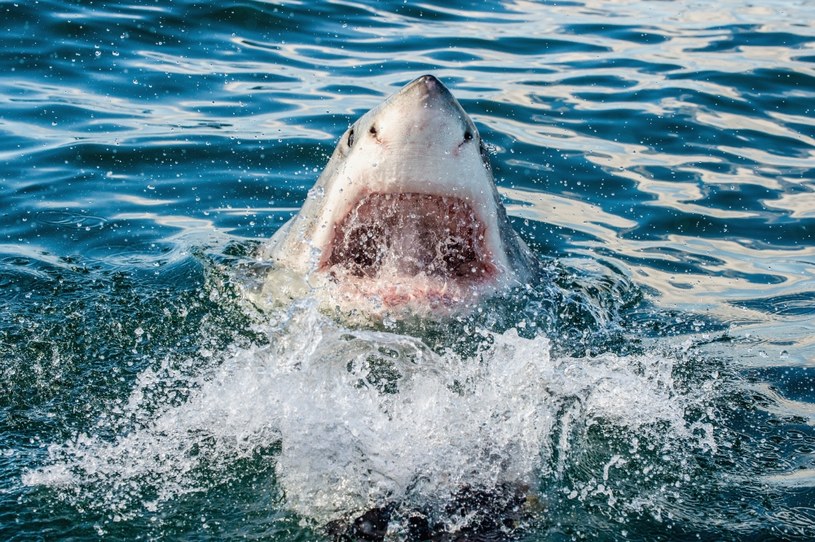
(405, 218)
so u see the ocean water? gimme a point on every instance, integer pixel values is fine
(656, 383)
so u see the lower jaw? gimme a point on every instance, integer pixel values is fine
(418, 296)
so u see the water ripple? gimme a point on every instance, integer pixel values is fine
(669, 144)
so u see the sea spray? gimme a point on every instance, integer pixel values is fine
(350, 419)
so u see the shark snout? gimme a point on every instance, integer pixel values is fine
(427, 87)
(424, 115)
(432, 94)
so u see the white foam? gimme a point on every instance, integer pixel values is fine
(363, 418)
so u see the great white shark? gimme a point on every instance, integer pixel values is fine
(404, 219)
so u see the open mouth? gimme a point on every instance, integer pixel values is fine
(404, 235)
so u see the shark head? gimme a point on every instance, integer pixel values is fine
(405, 218)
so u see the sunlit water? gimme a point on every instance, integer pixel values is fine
(655, 382)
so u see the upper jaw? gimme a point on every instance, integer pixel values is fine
(472, 187)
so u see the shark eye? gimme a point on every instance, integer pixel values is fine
(373, 131)
(468, 135)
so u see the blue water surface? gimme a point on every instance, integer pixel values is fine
(658, 156)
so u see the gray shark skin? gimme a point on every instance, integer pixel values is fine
(404, 220)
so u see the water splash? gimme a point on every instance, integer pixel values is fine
(350, 419)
